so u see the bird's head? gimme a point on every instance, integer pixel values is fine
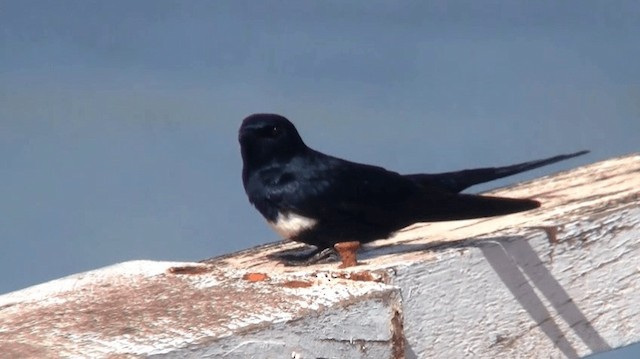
(265, 138)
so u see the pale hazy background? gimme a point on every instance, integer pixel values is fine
(118, 119)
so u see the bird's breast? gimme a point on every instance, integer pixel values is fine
(290, 225)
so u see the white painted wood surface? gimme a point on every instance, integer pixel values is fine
(560, 281)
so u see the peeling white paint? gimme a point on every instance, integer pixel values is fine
(114, 274)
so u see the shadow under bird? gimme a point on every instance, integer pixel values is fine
(324, 201)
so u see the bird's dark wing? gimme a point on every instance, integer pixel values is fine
(460, 180)
(349, 193)
(329, 188)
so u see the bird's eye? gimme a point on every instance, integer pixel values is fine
(274, 131)
(270, 131)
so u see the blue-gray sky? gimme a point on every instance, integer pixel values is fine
(118, 119)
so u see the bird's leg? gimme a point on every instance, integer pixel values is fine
(348, 253)
(316, 256)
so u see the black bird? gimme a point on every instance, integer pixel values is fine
(320, 200)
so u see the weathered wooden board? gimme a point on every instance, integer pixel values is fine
(560, 281)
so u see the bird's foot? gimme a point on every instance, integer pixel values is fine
(305, 258)
(345, 251)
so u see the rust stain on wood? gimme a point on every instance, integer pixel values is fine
(297, 284)
(348, 253)
(255, 277)
(397, 335)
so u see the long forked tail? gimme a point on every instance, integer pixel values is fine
(461, 180)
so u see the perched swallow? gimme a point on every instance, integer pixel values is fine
(324, 201)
